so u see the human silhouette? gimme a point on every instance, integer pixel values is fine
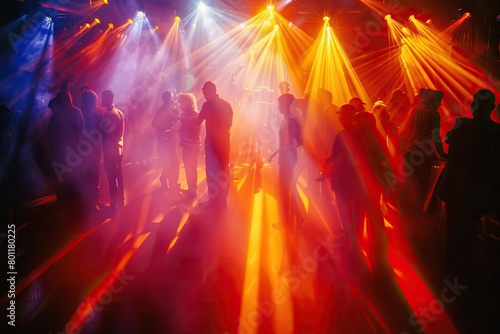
(92, 116)
(218, 115)
(65, 132)
(164, 122)
(189, 133)
(112, 146)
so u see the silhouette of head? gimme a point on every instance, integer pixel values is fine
(365, 121)
(380, 110)
(167, 97)
(187, 101)
(357, 103)
(89, 98)
(430, 98)
(85, 89)
(209, 90)
(284, 87)
(347, 115)
(107, 98)
(325, 96)
(483, 103)
(64, 99)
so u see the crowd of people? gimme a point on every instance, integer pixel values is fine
(373, 160)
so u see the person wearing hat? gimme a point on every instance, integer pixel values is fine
(218, 115)
(357, 103)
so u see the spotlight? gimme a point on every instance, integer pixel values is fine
(111, 26)
(326, 19)
(177, 19)
(48, 20)
(270, 7)
(156, 28)
(202, 7)
(105, 2)
(428, 21)
(87, 25)
(96, 20)
(276, 27)
(387, 17)
(129, 21)
(411, 18)
(141, 15)
(242, 26)
(290, 25)
(467, 15)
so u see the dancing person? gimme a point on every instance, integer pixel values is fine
(218, 115)
(164, 122)
(92, 116)
(189, 133)
(65, 132)
(112, 144)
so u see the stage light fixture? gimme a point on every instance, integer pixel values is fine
(411, 18)
(467, 15)
(156, 27)
(177, 19)
(270, 7)
(129, 21)
(428, 21)
(387, 17)
(326, 19)
(242, 26)
(141, 14)
(48, 20)
(111, 26)
(105, 2)
(290, 25)
(87, 25)
(96, 20)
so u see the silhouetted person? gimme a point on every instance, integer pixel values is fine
(423, 147)
(218, 115)
(112, 147)
(164, 122)
(470, 189)
(290, 138)
(190, 142)
(399, 105)
(92, 116)
(65, 133)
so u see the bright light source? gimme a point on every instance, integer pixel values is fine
(156, 28)
(411, 18)
(129, 21)
(290, 25)
(105, 2)
(326, 19)
(177, 19)
(87, 25)
(405, 31)
(428, 21)
(266, 23)
(202, 7)
(141, 15)
(111, 26)
(242, 26)
(271, 8)
(387, 17)
(276, 27)
(96, 20)
(467, 15)
(48, 19)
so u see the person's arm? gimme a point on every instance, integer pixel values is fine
(437, 136)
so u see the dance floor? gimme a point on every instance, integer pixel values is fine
(165, 266)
